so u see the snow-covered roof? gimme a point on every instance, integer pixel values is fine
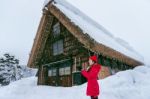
(83, 15)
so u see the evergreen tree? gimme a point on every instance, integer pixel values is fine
(10, 70)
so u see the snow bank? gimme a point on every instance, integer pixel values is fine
(28, 72)
(27, 88)
(130, 84)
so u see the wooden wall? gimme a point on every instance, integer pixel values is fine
(74, 50)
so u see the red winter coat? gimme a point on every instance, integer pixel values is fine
(92, 76)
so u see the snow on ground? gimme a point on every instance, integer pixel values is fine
(28, 72)
(130, 84)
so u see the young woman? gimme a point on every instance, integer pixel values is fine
(91, 74)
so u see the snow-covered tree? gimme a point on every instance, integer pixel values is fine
(10, 70)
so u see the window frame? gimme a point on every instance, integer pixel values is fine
(56, 29)
(52, 72)
(58, 47)
(64, 71)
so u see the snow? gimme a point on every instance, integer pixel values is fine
(28, 72)
(129, 84)
(12, 72)
(82, 16)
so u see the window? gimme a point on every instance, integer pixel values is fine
(56, 29)
(52, 72)
(58, 47)
(64, 71)
(61, 71)
(67, 70)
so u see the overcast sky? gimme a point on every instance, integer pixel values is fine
(19, 20)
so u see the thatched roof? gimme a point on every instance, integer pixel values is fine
(67, 15)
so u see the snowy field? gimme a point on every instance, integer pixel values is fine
(130, 84)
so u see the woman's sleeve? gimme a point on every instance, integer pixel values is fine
(92, 74)
(85, 73)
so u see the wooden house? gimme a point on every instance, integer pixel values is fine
(62, 46)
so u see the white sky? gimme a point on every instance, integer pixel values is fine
(19, 20)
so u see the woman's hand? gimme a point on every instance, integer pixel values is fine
(85, 67)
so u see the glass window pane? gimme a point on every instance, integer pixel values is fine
(54, 72)
(61, 71)
(60, 46)
(50, 73)
(67, 70)
(55, 48)
(56, 29)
